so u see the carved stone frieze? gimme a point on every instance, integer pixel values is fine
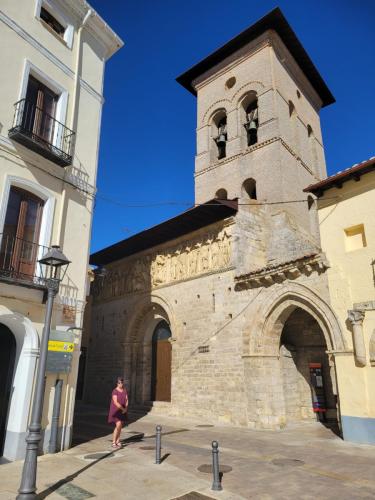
(209, 253)
(279, 273)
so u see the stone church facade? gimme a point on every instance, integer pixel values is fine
(223, 311)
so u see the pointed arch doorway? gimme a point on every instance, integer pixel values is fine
(161, 363)
(7, 359)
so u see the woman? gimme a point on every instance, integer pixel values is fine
(118, 410)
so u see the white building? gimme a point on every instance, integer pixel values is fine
(52, 64)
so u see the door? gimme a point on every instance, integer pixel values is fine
(7, 358)
(161, 363)
(39, 111)
(19, 245)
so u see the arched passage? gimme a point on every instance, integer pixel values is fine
(27, 351)
(7, 359)
(305, 370)
(272, 328)
(151, 323)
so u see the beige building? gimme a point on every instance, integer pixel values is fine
(346, 217)
(53, 57)
(223, 312)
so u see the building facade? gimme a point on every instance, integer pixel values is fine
(223, 311)
(345, 208)
(52, 61)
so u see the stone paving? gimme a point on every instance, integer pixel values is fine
(301, 462)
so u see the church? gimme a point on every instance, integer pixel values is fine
(223, 312)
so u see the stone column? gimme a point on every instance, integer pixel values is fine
(356, 318)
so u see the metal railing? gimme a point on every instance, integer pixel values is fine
(19, 261)
(42, 133)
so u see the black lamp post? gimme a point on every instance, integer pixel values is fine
(53, 265)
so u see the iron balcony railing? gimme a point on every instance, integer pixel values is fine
(42, 133)
(19, 261)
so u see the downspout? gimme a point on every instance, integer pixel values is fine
(73, 123)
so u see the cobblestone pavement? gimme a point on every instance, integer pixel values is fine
(301, 462)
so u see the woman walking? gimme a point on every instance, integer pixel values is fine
(118, 410)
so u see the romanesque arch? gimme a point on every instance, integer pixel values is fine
(266, 346)
(274, 308)
(148, 313)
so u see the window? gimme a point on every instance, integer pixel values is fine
(355, 238)
(19, 241)
(221, 138)
(52, 22)
(221, 194)
(251, 124)
(56, 19)
(39, 110)
(249, 189)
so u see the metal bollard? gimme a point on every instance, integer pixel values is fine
(158, 444)
(216, 485)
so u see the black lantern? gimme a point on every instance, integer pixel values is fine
(54, 261)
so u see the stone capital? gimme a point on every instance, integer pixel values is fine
(356, 316)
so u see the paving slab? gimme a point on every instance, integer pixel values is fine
(302, 461)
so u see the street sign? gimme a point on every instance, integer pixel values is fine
(60, 351)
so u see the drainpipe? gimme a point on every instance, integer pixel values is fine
(73, 122)
(356, 318)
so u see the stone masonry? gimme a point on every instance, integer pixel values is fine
(231, 291)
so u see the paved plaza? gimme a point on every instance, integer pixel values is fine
(302, 462)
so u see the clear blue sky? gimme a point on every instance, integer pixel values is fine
(148, 129)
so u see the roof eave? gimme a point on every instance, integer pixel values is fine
(274, 20)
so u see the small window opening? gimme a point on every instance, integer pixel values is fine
(309, 131)
(292, 108)
(252, 123)
(310, 202)
(221, 139)
(355, 238)
(221, 194)
(52, 22)
(249, 189)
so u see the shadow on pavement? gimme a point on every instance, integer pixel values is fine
(54, 487)
(90, 422)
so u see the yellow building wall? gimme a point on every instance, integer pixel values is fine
(347, 228)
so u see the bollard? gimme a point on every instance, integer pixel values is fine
(216, 485)
(158, 444)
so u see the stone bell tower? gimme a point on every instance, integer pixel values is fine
(258, 126)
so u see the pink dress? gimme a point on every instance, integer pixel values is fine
(115, 414)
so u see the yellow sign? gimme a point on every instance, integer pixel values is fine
(59, 346)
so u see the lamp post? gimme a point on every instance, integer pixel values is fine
(53, 265)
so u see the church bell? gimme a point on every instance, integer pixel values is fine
(221, 139)
(251, 126)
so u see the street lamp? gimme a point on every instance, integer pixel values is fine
(53, 265)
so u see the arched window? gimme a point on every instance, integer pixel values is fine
(221, 194)
(220, 133)
(251, 124)
(249, 189)
(292, 109)
(309, 131)
(310, 202)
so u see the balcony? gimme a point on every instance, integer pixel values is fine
(19, 262)
(42, 133)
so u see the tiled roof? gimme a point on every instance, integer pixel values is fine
(336, 180)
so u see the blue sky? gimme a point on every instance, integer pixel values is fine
(148, 130)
